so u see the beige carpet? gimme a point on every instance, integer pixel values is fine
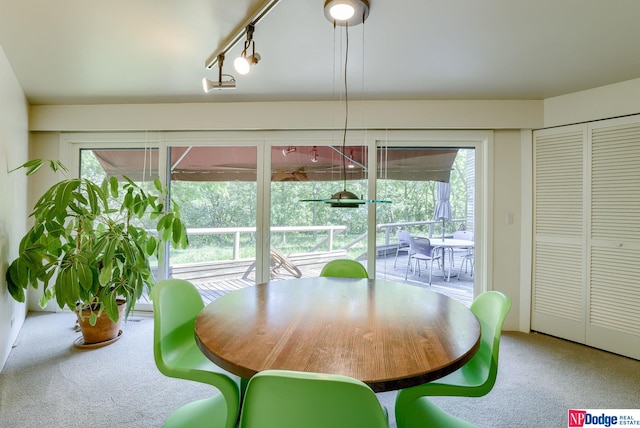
(48, 382)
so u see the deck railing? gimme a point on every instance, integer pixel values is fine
(237, 231)
(325, 244)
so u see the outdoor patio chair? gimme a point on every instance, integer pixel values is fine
(176, 304)
(467, 254)
(404, 239)
(474, 379)
(421, 249)
(289, 399)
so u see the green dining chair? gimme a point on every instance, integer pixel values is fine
(344, 268)
(288, 399)
(176, 304)
(474, 379)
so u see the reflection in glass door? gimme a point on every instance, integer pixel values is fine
(306, 235)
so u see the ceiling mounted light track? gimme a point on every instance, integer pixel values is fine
(236, 36)
(233, 39)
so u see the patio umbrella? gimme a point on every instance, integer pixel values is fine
(443, 206)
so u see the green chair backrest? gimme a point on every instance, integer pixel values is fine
(176, 304)
(474, 379)
(477, 377)
(344, 268)
(491, 309)
(287, 399)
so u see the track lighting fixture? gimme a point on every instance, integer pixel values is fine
(351, 164)
(346, 12)
(288, 150)
(235, 38)
(243, 63)
(208, 85)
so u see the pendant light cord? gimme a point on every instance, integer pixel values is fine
(346, 109)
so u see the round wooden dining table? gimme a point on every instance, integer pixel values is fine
(386, 334)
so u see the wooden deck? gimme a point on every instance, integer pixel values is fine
(219, 278)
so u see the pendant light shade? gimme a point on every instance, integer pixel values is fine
(345, 199)
(346, 12)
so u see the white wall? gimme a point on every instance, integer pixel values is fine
(619, 99)
(13, 194)
(288, 115)
(41, 146)
(507, 220)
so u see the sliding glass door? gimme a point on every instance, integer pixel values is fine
(216, 189)
(432, 189)
(306, 232)
(256, 209)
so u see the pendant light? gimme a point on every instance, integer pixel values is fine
(345, 13)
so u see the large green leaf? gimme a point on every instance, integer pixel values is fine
(16, 291)
(99, 193)
(110, 306)
(105, 275)
(164, 223)
(177, 231)
(55, 165)
(46, 296)
(17, 273)
(63, 196)
(66, 289)
(93, 318)
(113, 186)
(85, 275)
(151, 245)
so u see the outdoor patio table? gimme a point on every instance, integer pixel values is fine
(450, 243)
(386, 334)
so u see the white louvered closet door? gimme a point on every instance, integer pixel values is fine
(614, 237)
(559, 253)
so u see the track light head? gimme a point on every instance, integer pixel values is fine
(243, 63)
(209, 85)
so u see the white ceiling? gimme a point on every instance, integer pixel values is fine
(141, 51)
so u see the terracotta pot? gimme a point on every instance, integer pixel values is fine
(104, 330)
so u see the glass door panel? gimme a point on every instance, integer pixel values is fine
(432, 190)
(306, 235)
(139, 165)
(216, 189)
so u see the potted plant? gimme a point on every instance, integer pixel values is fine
(89, 247)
